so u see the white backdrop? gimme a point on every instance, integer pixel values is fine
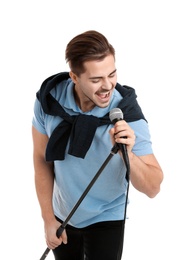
(154, 55)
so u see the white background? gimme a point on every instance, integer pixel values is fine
(153, 42)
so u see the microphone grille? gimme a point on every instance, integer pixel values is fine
(115, 114)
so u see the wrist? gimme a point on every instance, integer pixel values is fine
(48, 217)
(131, 156)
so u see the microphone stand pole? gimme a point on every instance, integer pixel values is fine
(60, 230)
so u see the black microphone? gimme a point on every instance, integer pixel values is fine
(116, 115)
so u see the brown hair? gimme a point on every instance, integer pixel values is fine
(90, 45)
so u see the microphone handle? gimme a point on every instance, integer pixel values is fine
(121, 146)
(123, 149)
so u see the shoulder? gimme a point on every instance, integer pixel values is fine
(140, 127)
(143, 144)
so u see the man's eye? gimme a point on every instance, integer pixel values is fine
(95, 81)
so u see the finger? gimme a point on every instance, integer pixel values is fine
(52, 245)
(64, 237)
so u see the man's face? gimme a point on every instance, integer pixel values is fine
(95, 86)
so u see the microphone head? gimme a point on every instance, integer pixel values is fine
(115, 115)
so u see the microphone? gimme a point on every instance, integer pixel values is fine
(116, 115)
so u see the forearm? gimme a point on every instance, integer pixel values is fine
(44, 181)
(144, 175)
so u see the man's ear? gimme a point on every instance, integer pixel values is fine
(73, 76)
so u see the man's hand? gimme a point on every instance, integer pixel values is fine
(50, 235)
(123, 133)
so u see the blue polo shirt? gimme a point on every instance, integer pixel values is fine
(106, 199)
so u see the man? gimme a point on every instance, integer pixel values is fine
(72, 136)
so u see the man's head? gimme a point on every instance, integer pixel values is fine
(92, 62)
(88, 46)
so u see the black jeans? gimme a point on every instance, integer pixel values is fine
(100, 241)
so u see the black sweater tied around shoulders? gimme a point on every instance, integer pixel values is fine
(81, 128)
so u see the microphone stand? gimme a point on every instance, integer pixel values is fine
(114, 150)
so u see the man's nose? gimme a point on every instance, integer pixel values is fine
(107, 84)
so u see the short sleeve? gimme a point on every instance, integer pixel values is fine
(38, 120)
(143, 144)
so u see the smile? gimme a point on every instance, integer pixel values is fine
(103, 95)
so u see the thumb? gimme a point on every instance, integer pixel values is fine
(64, 236)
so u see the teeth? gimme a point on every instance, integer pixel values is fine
(104, 95)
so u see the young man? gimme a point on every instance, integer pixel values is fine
(72, 136)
